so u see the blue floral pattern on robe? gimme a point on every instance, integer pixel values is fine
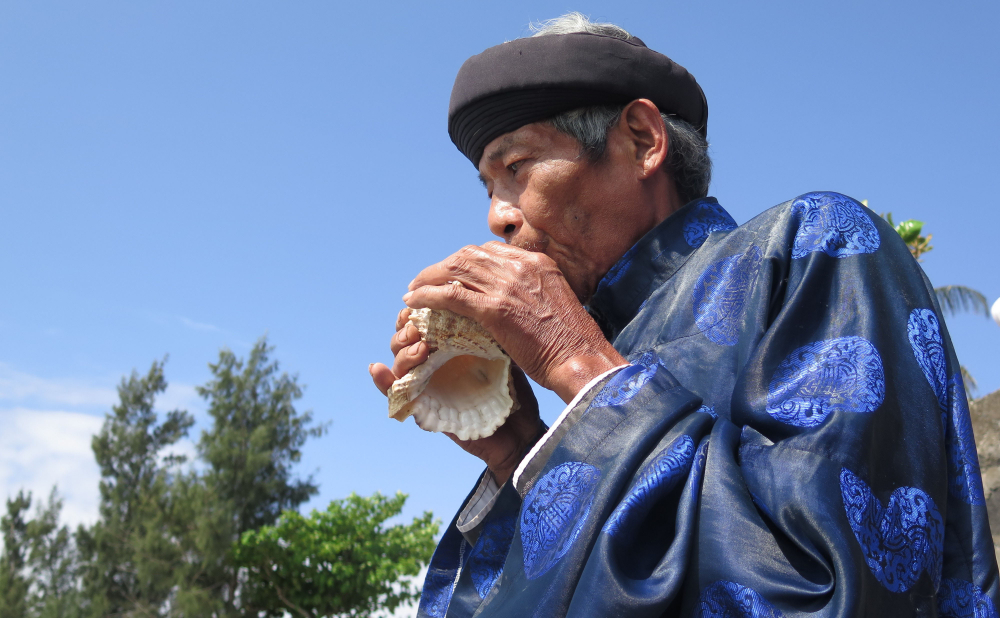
(899, 541)
(489, 553)
(659, 477)
(833, 224)
(627, 383)
(924, 332)
(554, 511)
(438, 587)
(962, 599)
(617, 271)
(835, 375)
(724, 599)
(965, 481)
(703, 219)
(720, 296)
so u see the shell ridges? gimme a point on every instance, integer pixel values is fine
(464, 387)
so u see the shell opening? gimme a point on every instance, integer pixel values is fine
(463, 387)
(458, 382)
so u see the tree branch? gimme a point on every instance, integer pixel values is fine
(277, 589)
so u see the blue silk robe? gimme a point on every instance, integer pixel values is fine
(791, 438)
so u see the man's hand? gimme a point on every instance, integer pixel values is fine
(408, 350)
(524, 301)
(501, 451)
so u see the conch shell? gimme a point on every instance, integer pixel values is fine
(465, 385)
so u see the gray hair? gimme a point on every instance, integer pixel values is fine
(687, 156)
(577, 22)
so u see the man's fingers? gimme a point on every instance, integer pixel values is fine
(473, 266)
(403, 318)
(410, 357)
(407, 336)
(525, 395)
(452, 297)
(382, 376)
(435, 274)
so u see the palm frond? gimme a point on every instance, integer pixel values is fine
(955, 298)
(970, 382)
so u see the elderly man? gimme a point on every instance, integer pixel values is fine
(762, 420)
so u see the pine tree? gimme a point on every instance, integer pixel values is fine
(13, 580)
(131, 554)
(52, 562)
(38, 567)
(255, 439)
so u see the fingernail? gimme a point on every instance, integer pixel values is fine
(370, 365)
(409, 286)
(407, 296)
(415, 349)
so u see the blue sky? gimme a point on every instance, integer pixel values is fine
(179, 177)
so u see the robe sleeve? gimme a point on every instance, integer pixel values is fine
(470, 556)
(847, 481)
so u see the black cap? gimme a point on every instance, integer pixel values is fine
(536, 78)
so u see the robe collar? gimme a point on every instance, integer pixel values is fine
(652, 261)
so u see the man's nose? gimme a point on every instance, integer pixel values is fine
(504, 218)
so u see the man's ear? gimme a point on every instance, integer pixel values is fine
(646, 136)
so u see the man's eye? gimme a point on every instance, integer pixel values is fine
(513, 167)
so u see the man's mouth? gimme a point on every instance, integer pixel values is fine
(530, 245)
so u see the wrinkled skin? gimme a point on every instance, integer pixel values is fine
(565, 221)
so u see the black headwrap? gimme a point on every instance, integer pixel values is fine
(536, 78)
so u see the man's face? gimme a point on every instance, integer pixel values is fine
(546, 196)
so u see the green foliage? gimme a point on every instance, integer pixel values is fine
(956, 298)
(130, 555)
(255, 439)
(13, 579)
(909, 231)
(338, 562)
(970, 382)
(167, 541)
(38, 567)
(53, 562)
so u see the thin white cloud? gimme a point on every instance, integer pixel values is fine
(17, 387)
(40, 449)
(180, 397)
(48, 425)
(22, 389)
(198, 325)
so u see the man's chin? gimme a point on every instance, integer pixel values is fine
(582, 284)
(584, 291)
(578, 282)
